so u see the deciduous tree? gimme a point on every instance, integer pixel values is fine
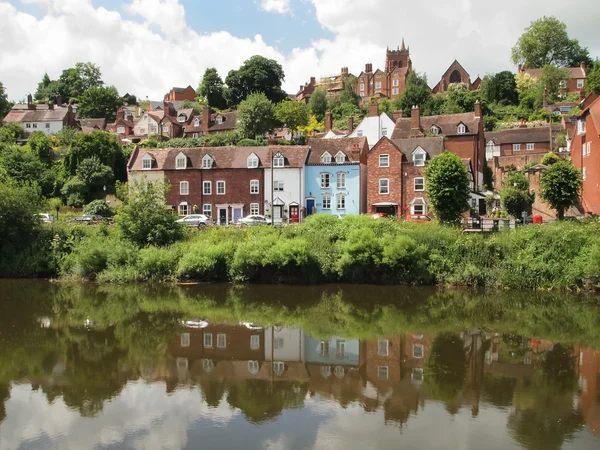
(255, 116)
(417, 93)
(593, 79)
(101, 145)
(292, 114)
(99, 102)
(560, 185)
(212, 88)
(5, 105)
(318, 104)
(41, 146)
(257, 74)
(75, 81)
(501, 88)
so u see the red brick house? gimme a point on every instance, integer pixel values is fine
(576, 82)
(181, 94)
(305, 92)
(585, 153)
(456, 74)
(210, 123)
(383, 361)
(519, 141)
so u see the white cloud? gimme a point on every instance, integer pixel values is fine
(276, 6)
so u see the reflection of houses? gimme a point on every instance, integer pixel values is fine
(588, 363)
(284, 348)
(332, 357)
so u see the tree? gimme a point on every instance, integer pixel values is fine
(448, 187)
(546, 42)
(55, 204)
(47, 90)
(348, 94)
(516, 201)
(551, 79)
(129, 99)
(66, 136)
(144, 218)
(11, 132)
(417, 93)
(41, 146)
(5, 105)
(257, 74)
(550, 158)
(98, 207)
(24, 167)
(292, 114)
(95, 176)
(593, 79)
(101, 145)
(75, 81)
(560, 185)
(211, 87)
(99, 102)
(255, 116)
(501, 88)
(459, 99)
(318, 104)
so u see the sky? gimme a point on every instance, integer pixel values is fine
(145, 47)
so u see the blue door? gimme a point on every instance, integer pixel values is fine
(237, 214)
(310, 206)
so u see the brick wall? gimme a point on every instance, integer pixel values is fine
(409, 193)
(590, 192)
(393, 173)
(472, 147)
(540, 147)
(392, 361)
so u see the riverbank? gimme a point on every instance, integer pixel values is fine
(325, 249)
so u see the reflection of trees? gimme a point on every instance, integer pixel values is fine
(498, 390)
(558, 367)
(212, 390)
(4, 396)
(260, 400)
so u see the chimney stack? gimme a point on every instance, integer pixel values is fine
(478, 112)
(121, 113)
(582, 65)
(415, 122)
(368, 68)
(398, 114)
(313, 80)
(373, 109)
(328, 121)
(520, 68)
(30, 104)
(50, 106)
(205, 120)
(344, 71)
(59, 100)
(350, 124)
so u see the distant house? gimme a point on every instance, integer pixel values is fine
(90, 125)
(181, 94)
(576, 83)
(456, 74)
(519, 141)
(47, 118)
(211, 123)
(374, 126)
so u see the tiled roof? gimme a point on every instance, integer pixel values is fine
(228, 124)
(99, 124)
(43, 114)
(575, 72)
(448, 123)
(432, 145)
(519, 135)
(594, 111)
(347, 146)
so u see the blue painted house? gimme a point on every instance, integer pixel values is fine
(336, 176)
(333, 351)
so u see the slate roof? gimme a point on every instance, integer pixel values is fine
(88, 125)
(432, 145)
(345, 145)
(576, 72)
(448, 123)
(229, 123)
(58, 114)
(519, 135)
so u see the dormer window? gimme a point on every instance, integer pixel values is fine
(435, 130)
(278, 161)
(461, 129)
(326, 158)
(219, 120)
(146, 162)
(181, 118)
(252, 161)
(196, 122)
(340, 158)
(419, 156)
(181, 161)
(207, 162)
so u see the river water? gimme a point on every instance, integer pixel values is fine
(283, 367)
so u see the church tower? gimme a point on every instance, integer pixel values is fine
(397, 59)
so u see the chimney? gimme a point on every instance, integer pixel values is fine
(368, 68)
(59, 100)
(415, 122)
(130, 118)
(520, 68)
(313, 80)
(478, 112)
(344, 71)
(545, 98)
(30, 104)
(582, 65)
(205, 120)
(350, 124)
(121, 113)
(373, 109)
(398, 114)
(523, 124)
(328, 121)
(51, 106)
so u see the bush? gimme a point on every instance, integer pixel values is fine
(206, 262)
(157, 264)
(248, 143)
(98, 207)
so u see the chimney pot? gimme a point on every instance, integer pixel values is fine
(205, 120)
(312, 80)
(478, 110)
(59, 100)
(415, 122)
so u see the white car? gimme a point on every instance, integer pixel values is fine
(195, 220)
(254, 219)
(47, 218)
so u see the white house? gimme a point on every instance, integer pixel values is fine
(49, 119)
(284, 183)
(374, 128)
(284, 344)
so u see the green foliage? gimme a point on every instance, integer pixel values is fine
(157, 264)
(515, 201)
(318, 104)
(459, 99)
(23, 166)
(212, 88)
(292, 114)
(99, 102)
(10, 132)
(501, 88)
(551, 78)
(206, 261)
(257, 75)
(41, 146)
(73, 82)
(592, 82)
(417, 93)
(348, 94)
(255, 116)
(546, 42)
(98, 207)
(95, 176)
(47, 90)
(55, 204)
(447, 187)
(560, 185)
(249, 143)
(66, 136)
(550, 158)
(100, 145)
(5, 105)
(144, 218)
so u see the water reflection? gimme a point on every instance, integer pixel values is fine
(295, 368)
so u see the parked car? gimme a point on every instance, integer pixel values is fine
(379, 215)
(86, 219)
(196, 220)
(254, 219)
(419, 218)
(47, 218)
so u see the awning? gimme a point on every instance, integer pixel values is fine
(385, 204)
(183, 203)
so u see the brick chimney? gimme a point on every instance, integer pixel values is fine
(313, 81)
(478, 112)
(398, 114)
(523, 124)
(582, 65)
(130, 118)
(373, 109)
(30, 104)
(415, 122)
(51, 106)
(520, 68)
(205, 120)
(121, 113)
(328, 121)
(368, 68)
(59, 100)
(350, 124)
(344, 71)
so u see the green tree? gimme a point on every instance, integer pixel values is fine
(99, 102)
(546, 42)
(10, 132)
(66, 136)
(255, 116)
(318, 104)
(5, 105)
(501, 88)
(257, 74)
(550, 158)
(129, 99)
(47, 90)
(560, 185)
(24, 167)
(593, 79)
(55, 203)
(211, 87)
(448, 187)
(101, 145)
(459, 99)
(144, 218)
(348, 94)
(41, 147)
(96, 177)
(75, 81)
(417, 93)
(98, 207)
(551, 79)
(292, 114)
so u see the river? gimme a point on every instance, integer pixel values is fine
(84, 366)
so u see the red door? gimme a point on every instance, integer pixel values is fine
(294, 214)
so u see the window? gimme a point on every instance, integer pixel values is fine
(324, 180)
(418, 350)
(362, 78)
(395, 91)
(182, 364)
(278, 368)
(207, 209)
(208, 340)
(326, 200)
(418, 209)
(382, 372)
(324, 349)
(146, 162)
(278, 161)
(165, 129)
(583, 173)
(434, 130)
(220, 188)
(362, 87)
(278, 186)
(153, 129)
(252, 161)
(340, 349)
(580, 84)
(589, 147)
(142, 130)
(384, 160)
(184, 188)
(384, 186)
(221, 340)
(419, 157)
(181, 118)
(383, 347)
(254, 209)
(27, 125)
(181, 162)
(384, 131)
(278, 343)
(516, 147)
(197, 122)
(208, 365)
(326, 158)
(183, 209)
(254, 189)
(195, 135)
(254, 342)
(207, 162)
(207, 188)
(530, 146)
(340, 158)
(419, 184)
(325, 371)
(219, 120)
(395, 83)
(461, 129)
(580, 127)
(378, 85)
(185, 339)
(34, 125)
(253, 367)
(416, 376)
(341, 201)
(341, 180)
(359, 133)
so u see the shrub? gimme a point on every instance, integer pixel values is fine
(206, 262)
(98, 207)
(248, 143)
(157, 264)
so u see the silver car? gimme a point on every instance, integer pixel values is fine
(195, 220)
(254, 219)
(47, 218)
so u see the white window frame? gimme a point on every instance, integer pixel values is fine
(181, 118)
(255, 342)
(120, 130)
(221, 184)
(278, 161)
(278, 343)
(381, 350)
(340, 158)
(219, 120)
(184, 188)
(153, 129)
(395, 83)
(252, 162)
(340, 348)
(326, 201)
(422, 351)
(416, 376)
(461, 129)
(580, 83)
(278, 186)
(165, 128)
(146, 162)
(589, 147)
(254, 209)
(195, 135)
(207, 209)
(341, 200)
(184, 339)
(395, 91)
(221, 340)
(417, 161)
(378, 85)
(207, 162)
(362, 87)
(530, 146)
(180, 162)
(384, 186)
(326, 158)
(196, 122)
(422, 183)
(206, 184)
(434, 130)
(340, 180)
(183, 209)
(208, 365)
(583, 174)
(325, 180)
(516, 147)
(383, 372)
(324, 349)
(413, 211)
(34, 125)
(254, 186)
(384, 160)
(325, 371)
(278, 368)
(253, 367)
(207, 340)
